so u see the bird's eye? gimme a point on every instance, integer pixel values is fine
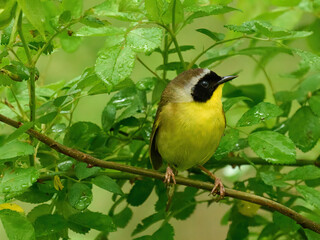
(204, 83)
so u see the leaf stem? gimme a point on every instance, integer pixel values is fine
(266, 75)
(149, 69)
(249, 197)
(175, 42)
(31, 80)
(165, 57)
(41, 50)
(210, 47)
(23, 114)
(23, 41)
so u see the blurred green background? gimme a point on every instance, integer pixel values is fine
(205, 222)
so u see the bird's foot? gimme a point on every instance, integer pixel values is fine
(218, 187)
(169, 175)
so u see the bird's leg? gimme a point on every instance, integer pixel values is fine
(218, 185)
(170, 173)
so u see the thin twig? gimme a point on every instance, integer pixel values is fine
(149, 69)
(266, 75)
(82, 157)
(31, 80)
(210, 47)
(175, 42)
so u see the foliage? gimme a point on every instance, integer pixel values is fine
(275, 128)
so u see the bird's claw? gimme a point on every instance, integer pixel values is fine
(169, 175)
(218, 186)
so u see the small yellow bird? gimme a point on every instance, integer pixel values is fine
(189, 123)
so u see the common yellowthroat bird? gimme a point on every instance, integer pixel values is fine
(189, 123)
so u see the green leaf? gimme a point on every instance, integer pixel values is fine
(17, 133)
(273, 179)
(183, 203)
(7, 12)
(146, 84)
(122, 218)
(144, 39)
(82, 170)
(228, 103)
(34, 12)
(311, 195)
(311, 59)
(140, 192)
(246, 27)
(69, 43)
(81, 135)
(87, 31)
(94, 220)
(5, 80)
(303, 173)
(16, 225)
(80, 196)
(47, 118)
(34, 195)
(157, 91)
(64, 17)
(155, 9)
(285, 223)
(107, 183)
(213, 35)
(259, 113)
(74, 6)
(15, 181)
(38, 211)
(124, 10)
(176, 6)
(309, 85)
(182, 48)
(311, 235)
(314, 103)
(227, 143)
(108, 116)
(148, 221)
(256, 92)
(49, 224)
(93, 21)
(203, 11)
(273, 147)
(115, 64)
(164, 232)
(304, 129)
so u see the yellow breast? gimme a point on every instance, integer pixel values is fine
(190, 132)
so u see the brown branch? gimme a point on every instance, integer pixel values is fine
(82, 157)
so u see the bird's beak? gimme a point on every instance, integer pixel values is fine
(226, 79)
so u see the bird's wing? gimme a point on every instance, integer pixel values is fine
(155, 157)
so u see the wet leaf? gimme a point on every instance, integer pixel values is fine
(303, 173)
(94, 220)
(16, 225)
(311, 195)
(80, 196)
(15, 181)
(107, 183)
(115, 64)
(273, 147)
(259, 113)
(144, 39)
(314, 103)
(227, 143)
(304, 129)
(140, 192)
